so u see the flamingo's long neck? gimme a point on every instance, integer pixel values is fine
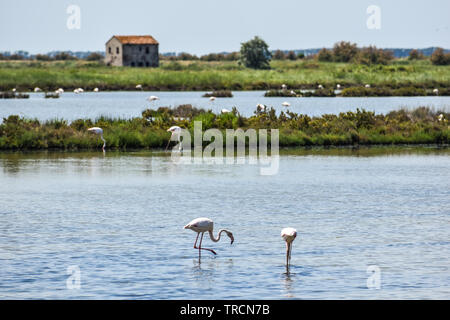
(104, 141)
(218, 235)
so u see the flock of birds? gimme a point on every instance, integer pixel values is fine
(202, 225)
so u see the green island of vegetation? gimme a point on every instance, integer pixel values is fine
(418, 126)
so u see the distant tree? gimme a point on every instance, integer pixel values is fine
(43, 57)
(439, 57)
(16, 56)
(291, 55)
(279, 55)
(344, 51)
(94, 56)
(415, 55)
(64, 56)
(325, 55)
(373, 55)
(233, 56)
(255, 54)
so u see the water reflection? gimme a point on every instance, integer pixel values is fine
(288, 284)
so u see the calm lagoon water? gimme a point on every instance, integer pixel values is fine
(119, 218)
(92, 105)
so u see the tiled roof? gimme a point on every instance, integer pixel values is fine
(136, 39)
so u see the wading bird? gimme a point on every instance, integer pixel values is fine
(202, 225)
(152, 98)
(98, 131)
(288, 234)
(260, 107)
(176, 135)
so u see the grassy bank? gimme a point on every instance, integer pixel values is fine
(419, 126)
(224, 75)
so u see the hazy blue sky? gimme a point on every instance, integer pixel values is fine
(203, 26)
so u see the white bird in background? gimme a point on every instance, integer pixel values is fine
(367, 85)
(99, 131)
(202, 225)
(225, 111)
(289, 235)
(285, 104)
(260, 107)
(176, 135)
(152, 98)
(37, 89)
(95, 90)
(139, 86)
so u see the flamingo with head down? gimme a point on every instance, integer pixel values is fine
(202, 225)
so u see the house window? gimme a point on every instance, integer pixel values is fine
(109, 49)
(117, 50)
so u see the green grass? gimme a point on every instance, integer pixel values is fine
(227, 75)
(419, 126)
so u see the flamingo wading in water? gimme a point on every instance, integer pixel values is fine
(99, 131)
(176, 135)
(289, 235)
(202, 225)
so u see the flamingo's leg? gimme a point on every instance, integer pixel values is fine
(200, 247)
(195, 243)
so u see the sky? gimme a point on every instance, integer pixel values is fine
(205, 26)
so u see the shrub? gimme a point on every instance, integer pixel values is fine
(372, 55)
(344, 51)
(95, 56)
(415, 55)
(325, 55)
(439, 58)
(279, 55)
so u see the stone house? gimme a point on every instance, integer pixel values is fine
(132, 51)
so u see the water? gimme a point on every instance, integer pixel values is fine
(92, 105)
(119, 219)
